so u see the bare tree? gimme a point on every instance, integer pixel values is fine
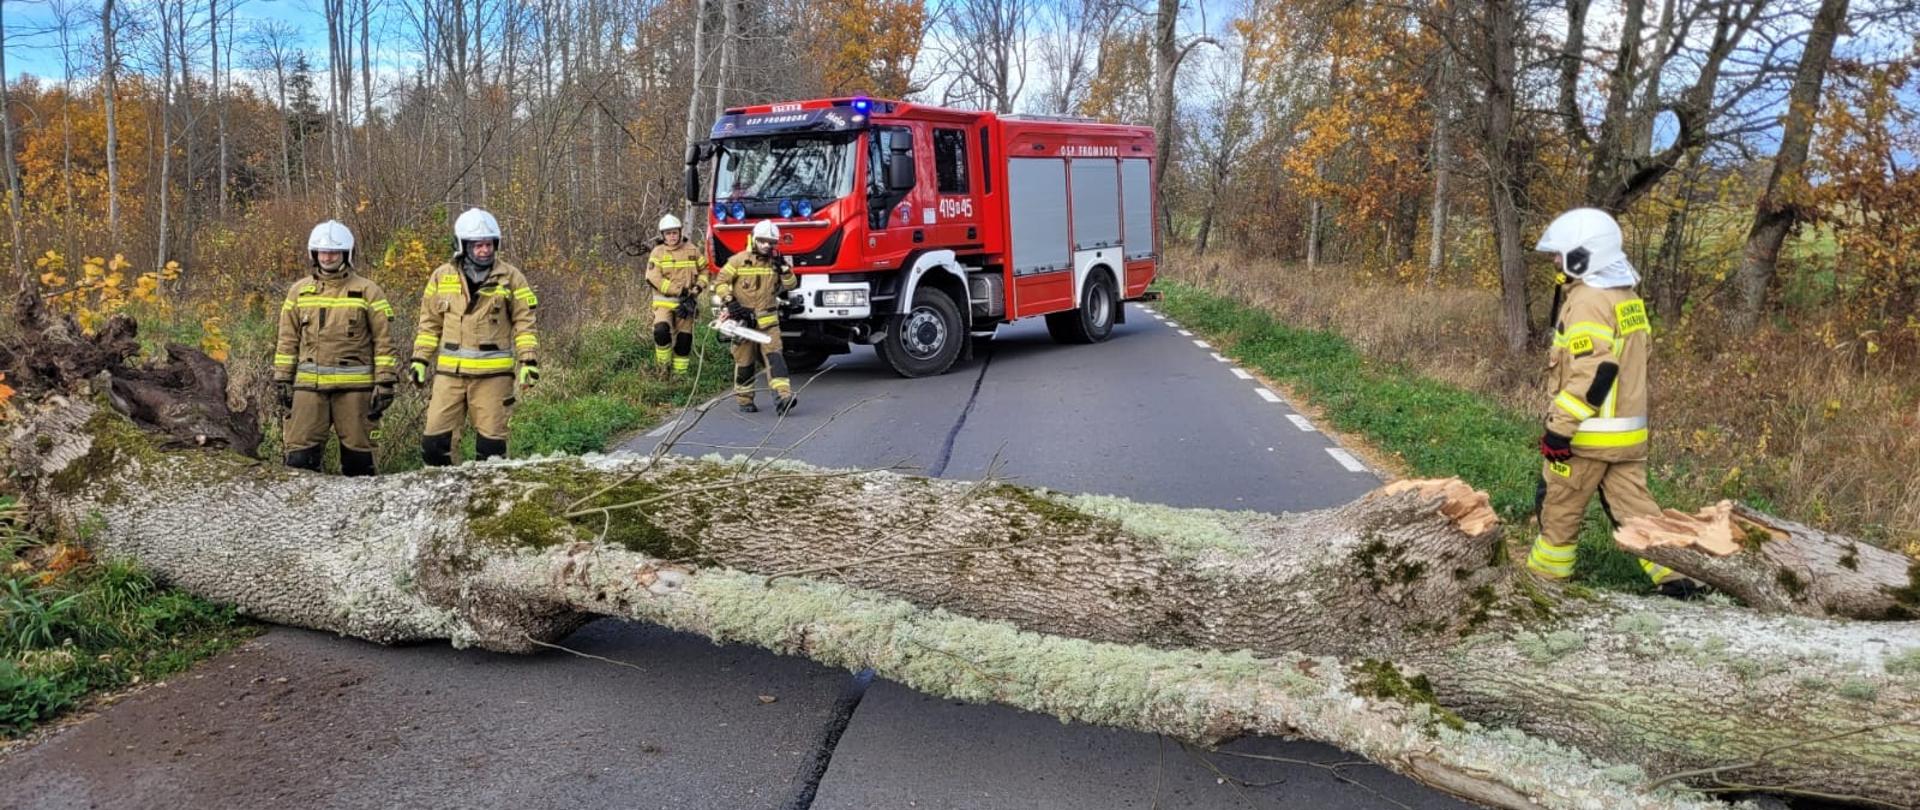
(1073, 29)
(109, 89)
(694, 118)
(1219, 138)
(983, 49)
(272, 55)
(729, 40)
(14, 206)
(1169, 51)
(1776, 212)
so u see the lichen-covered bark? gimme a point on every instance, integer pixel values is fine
(1202, 624)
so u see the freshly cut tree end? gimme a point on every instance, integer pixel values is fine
(1710, 530)
(1778, 566)
(1470, 509)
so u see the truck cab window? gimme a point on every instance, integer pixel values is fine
(885, 146)
(950, 160)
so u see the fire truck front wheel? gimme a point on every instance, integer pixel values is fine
(925, 340)
(1093, 321)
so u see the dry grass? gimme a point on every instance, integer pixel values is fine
(1790, 420)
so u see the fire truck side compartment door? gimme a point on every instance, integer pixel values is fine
(1096, 221)
(1042, 254)
(1137, 219)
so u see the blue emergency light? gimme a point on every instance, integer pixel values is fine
(862, 105)
(806, 208)
(786, 209)
(740, 211)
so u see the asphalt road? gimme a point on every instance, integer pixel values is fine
(303, 719)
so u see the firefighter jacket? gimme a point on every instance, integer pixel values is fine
(470, 331)
(673, 272)
(334, 335)
(1597, 373)
(757, 282)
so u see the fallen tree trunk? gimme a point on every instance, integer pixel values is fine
(1779, 566)
(1391, 626)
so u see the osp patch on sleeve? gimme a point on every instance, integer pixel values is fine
(1580, 345)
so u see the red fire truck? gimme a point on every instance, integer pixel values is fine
(914, 228)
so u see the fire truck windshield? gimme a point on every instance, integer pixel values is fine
(786, 167)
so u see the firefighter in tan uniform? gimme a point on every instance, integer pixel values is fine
(676, 273)
(1596, 419)
(476, 321)
(333, 367)
(749, 289)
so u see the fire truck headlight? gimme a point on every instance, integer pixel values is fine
(843, 298)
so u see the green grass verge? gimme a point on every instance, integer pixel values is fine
(1438, 430)
(68, 632)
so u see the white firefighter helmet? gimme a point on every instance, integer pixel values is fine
(765, 229)
(330, 235)
(668, 223)
(1587, 238)
(475, 224)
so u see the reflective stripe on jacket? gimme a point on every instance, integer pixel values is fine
(478, 332)
(335, 334)
(1597, 372)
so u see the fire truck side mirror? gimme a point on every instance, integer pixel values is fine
(899, 171)
(695, 155)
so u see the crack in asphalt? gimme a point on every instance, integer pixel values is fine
(939, 466)
(814, 770)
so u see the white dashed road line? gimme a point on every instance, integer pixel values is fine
(1202, 344)
(1242, 374)
(1185, 333)
(1174, 324)
(1300, 422)
(1220, 358)
(1267, 395)
(1346, 460)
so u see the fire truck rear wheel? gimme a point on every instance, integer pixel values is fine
(1093, 321)
(926, 340)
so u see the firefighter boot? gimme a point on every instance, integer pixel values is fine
(743, 388)
(307, 458)
(682, 353)
(783, 397)
(662, 345)
(436, 449)
(485, 448)
(355, 463)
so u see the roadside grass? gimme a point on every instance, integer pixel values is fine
(71, 626)
(1435, 429)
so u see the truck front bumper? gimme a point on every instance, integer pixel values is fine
(822, 300)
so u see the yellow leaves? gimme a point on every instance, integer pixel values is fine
(101, 288)
(6, 392)
(213, 341)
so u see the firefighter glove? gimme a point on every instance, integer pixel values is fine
(740, 313)
(283, 393)
(382, 398)
(1555, 447)
(417, 370)
(529, 374)
(687, 307)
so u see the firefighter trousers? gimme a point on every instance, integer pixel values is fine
(317, 414)
(749, 356)
(672, 339)
(1566, 488)
(485, 402)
